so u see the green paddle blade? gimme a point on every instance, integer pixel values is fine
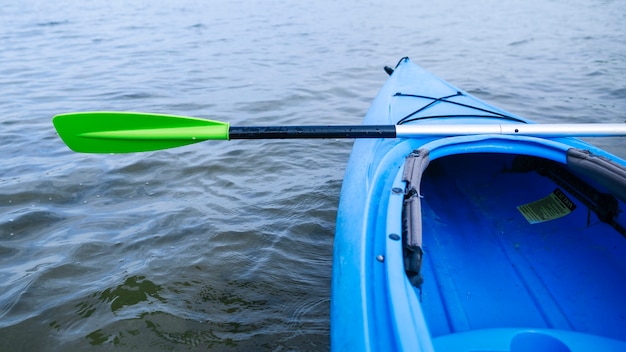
(127, 132)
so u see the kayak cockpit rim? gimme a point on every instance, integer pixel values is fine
(602, 185)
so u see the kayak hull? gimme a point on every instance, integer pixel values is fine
(498, 272)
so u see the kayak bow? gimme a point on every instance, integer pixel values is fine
(511, 239)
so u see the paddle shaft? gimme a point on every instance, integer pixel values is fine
(522, 129)
(293, 132)
(422, 130)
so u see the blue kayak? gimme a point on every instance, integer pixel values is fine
(479, 242)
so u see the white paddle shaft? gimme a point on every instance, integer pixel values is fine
(522, 129)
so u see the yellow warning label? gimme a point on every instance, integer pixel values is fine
(551, 207)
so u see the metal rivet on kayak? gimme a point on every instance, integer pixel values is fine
(380, 258)
(397, 190)
(394, 237)
(516, 130)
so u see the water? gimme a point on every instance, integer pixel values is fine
(228, 245)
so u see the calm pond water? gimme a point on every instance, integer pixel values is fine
(228, 245)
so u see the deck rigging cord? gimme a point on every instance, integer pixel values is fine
(409, 117)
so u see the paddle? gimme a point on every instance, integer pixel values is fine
(126, 132)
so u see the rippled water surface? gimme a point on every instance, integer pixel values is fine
(228, 245)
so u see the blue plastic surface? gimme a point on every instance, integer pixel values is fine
(493, 281)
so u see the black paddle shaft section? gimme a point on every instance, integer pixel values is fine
(295, 132)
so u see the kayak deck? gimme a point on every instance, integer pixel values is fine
(486, 266)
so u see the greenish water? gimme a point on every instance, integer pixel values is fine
(228, 245)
